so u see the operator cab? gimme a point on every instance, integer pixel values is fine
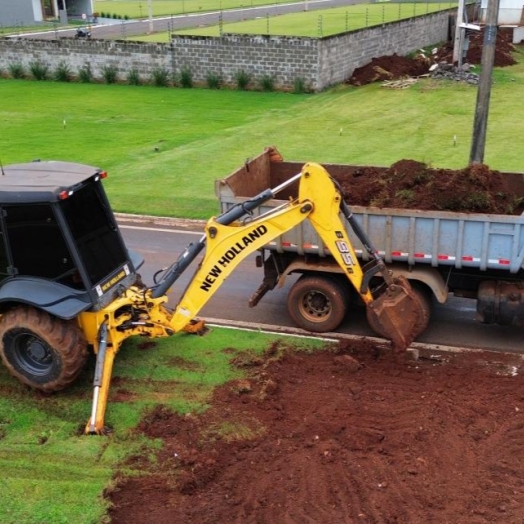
(59, 236)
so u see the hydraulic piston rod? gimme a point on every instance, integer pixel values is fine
(230, 216)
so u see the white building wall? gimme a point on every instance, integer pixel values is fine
(510, 11)
(14, 13)
(37, 11)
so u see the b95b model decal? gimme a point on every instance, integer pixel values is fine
(345, 253)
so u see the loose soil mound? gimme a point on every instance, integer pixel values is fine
(390, 67)
(395, 67)
(347, 437)
(503, 49)
(408, 184)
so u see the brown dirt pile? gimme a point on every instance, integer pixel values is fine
(409, 184)
(504, 48)
(352, 436)
(395, 67)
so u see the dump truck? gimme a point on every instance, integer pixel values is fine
(474, 255)
(68, 283)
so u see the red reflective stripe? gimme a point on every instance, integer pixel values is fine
(504, 262)
(396, 253)
(468, 258)
(308, 246)
(442, 257)
(419, 255)
(286, 244)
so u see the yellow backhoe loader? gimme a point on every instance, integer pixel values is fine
(70, 284)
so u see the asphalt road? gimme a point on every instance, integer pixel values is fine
(452, 324)
(123, 30)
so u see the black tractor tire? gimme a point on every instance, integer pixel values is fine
(317, 303)
(40, 350)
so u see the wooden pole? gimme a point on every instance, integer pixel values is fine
(484, 88)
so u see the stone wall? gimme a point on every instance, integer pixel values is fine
(319, 62)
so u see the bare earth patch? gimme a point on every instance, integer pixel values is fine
(347, 436)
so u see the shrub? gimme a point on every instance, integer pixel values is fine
(63, 72)
(299, 86)
(133, 77)
(16, 70)
(214, 81)
(126, 17)
(103, 15)
(39, 70)
(110, 74)
(85, 74)
(160, 77)
(267, 83)
(242, 79)
(186, 77)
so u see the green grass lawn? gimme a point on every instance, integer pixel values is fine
(140, 8)
(319, 23)
(52, 474)
(164, 147)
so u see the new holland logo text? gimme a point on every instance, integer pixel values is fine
(230, 255)
(106, 285)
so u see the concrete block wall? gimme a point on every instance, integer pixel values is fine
(77, 54)
(283, 58)
(319, 62)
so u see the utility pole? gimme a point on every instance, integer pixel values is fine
(484, 88)
(459, 34)
(150, 13)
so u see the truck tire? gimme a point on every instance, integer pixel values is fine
(318, 304)
(423, 295)
(40, 350)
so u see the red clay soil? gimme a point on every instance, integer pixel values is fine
(409, 184)
(342, 437)
(394, 67)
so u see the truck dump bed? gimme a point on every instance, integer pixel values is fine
(439, 238)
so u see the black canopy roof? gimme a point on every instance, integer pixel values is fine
(41, 181)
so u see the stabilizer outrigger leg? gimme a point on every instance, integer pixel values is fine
(104, 366)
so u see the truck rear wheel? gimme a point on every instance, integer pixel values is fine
(40, 350)
(424, 298)
(318, 304)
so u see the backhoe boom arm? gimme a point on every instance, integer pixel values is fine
(228, 245)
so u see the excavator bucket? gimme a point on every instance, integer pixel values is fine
(397, 314)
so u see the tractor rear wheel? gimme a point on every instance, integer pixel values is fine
(317, 303)
(40, 350)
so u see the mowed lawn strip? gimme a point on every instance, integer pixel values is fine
(140, 8)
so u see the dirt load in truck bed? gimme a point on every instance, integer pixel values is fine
(409, 184)
(343, 436)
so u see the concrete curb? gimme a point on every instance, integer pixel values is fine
(415, 350)
(149, 220)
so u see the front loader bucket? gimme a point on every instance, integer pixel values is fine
(397, 314)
